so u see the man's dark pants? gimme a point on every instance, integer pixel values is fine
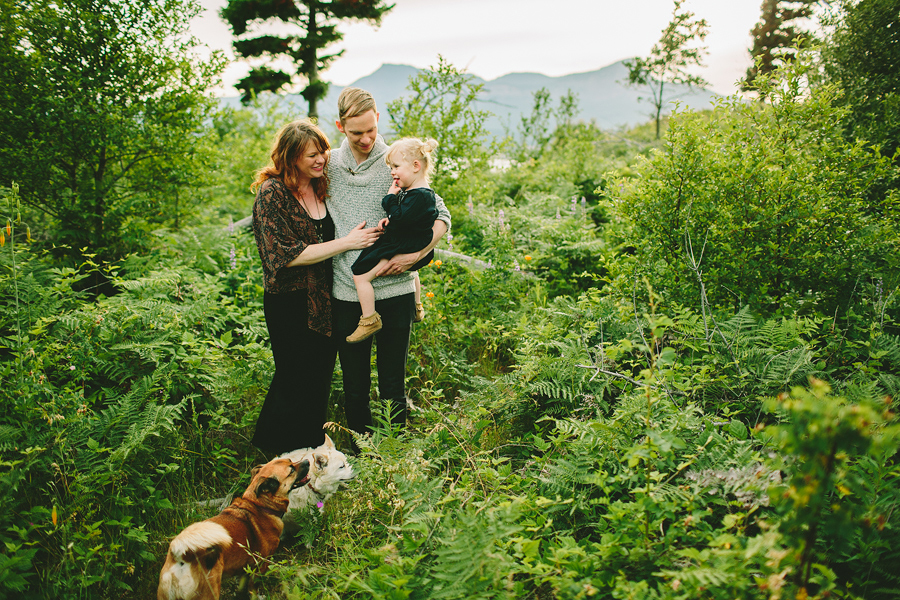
(392, 348)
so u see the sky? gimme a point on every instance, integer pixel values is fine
(491, 38)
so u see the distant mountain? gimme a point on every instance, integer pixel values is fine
(601, 96)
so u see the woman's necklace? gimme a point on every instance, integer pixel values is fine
(318, 221)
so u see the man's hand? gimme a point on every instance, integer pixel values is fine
(398, 264)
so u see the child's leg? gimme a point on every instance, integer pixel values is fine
(364, 289)
(420, 308)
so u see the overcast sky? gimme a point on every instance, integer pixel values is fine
(490, 38)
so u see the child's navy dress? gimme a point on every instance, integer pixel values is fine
(412, 214)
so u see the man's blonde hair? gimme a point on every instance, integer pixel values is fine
(353, 102)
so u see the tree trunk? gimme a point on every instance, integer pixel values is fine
(313, 75)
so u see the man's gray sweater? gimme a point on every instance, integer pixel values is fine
(354, 195)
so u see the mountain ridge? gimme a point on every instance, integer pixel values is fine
(602, 97)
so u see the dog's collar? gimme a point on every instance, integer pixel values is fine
(272, 511)
(314, 490)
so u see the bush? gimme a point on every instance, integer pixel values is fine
(764, 205)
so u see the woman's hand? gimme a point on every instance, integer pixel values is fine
(360, 237)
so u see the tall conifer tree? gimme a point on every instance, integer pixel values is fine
(316, 21)
(774, 35)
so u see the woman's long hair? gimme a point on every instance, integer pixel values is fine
(289, 145)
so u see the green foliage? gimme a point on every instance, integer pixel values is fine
(775, 36)
(827, 497)
(243, 138)
(670, 60)
(589, 420)
(761, 204)
(863, 58)
(317, 21)
(105, 105)
(441, 105)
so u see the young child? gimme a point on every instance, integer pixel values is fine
(411, 209)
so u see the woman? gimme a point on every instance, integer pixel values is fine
(295, 237)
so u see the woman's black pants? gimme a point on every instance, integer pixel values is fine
(296, 406)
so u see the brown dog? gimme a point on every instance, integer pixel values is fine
(201, 555)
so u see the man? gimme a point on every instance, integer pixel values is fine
(358, 180)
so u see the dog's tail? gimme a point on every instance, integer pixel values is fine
(193, 555)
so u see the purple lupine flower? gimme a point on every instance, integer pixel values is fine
(233, 258)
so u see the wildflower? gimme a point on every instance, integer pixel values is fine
(450, 241)
(527, 257)
(2, 239)
(438, 263)
(8, 228)
(71, 367)
(320, 504)
(233, 257)
(28, 233)
(516, 266)
(54, 516)
(429, 294)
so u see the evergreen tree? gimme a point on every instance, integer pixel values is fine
(670, 60)
(317, 22)
(775, 34)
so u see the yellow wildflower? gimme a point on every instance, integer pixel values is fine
(429, 294)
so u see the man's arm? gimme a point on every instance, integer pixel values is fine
(401, 262)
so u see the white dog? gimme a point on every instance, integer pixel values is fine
(328, 470)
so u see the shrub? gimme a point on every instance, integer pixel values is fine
(765, 204)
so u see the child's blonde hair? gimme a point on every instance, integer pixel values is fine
(412, 149)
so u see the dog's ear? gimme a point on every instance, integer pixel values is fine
(269, 485)
(321, 460)
(328, 443)
(209, 557)
(255, 471)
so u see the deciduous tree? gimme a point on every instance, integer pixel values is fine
(670, 61)
(863, 58)
(442, 104)
(103, 105)
(316, 21)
